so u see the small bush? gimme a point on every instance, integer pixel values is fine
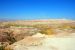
(1, 48)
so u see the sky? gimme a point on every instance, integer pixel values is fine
(37, 9)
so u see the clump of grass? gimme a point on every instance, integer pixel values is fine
(1, 47)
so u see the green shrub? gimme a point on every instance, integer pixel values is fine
(1, 48)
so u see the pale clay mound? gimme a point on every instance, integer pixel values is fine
(43, 42)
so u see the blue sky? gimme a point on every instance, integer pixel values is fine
(37, 9)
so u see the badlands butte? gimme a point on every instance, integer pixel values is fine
(51, 34)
